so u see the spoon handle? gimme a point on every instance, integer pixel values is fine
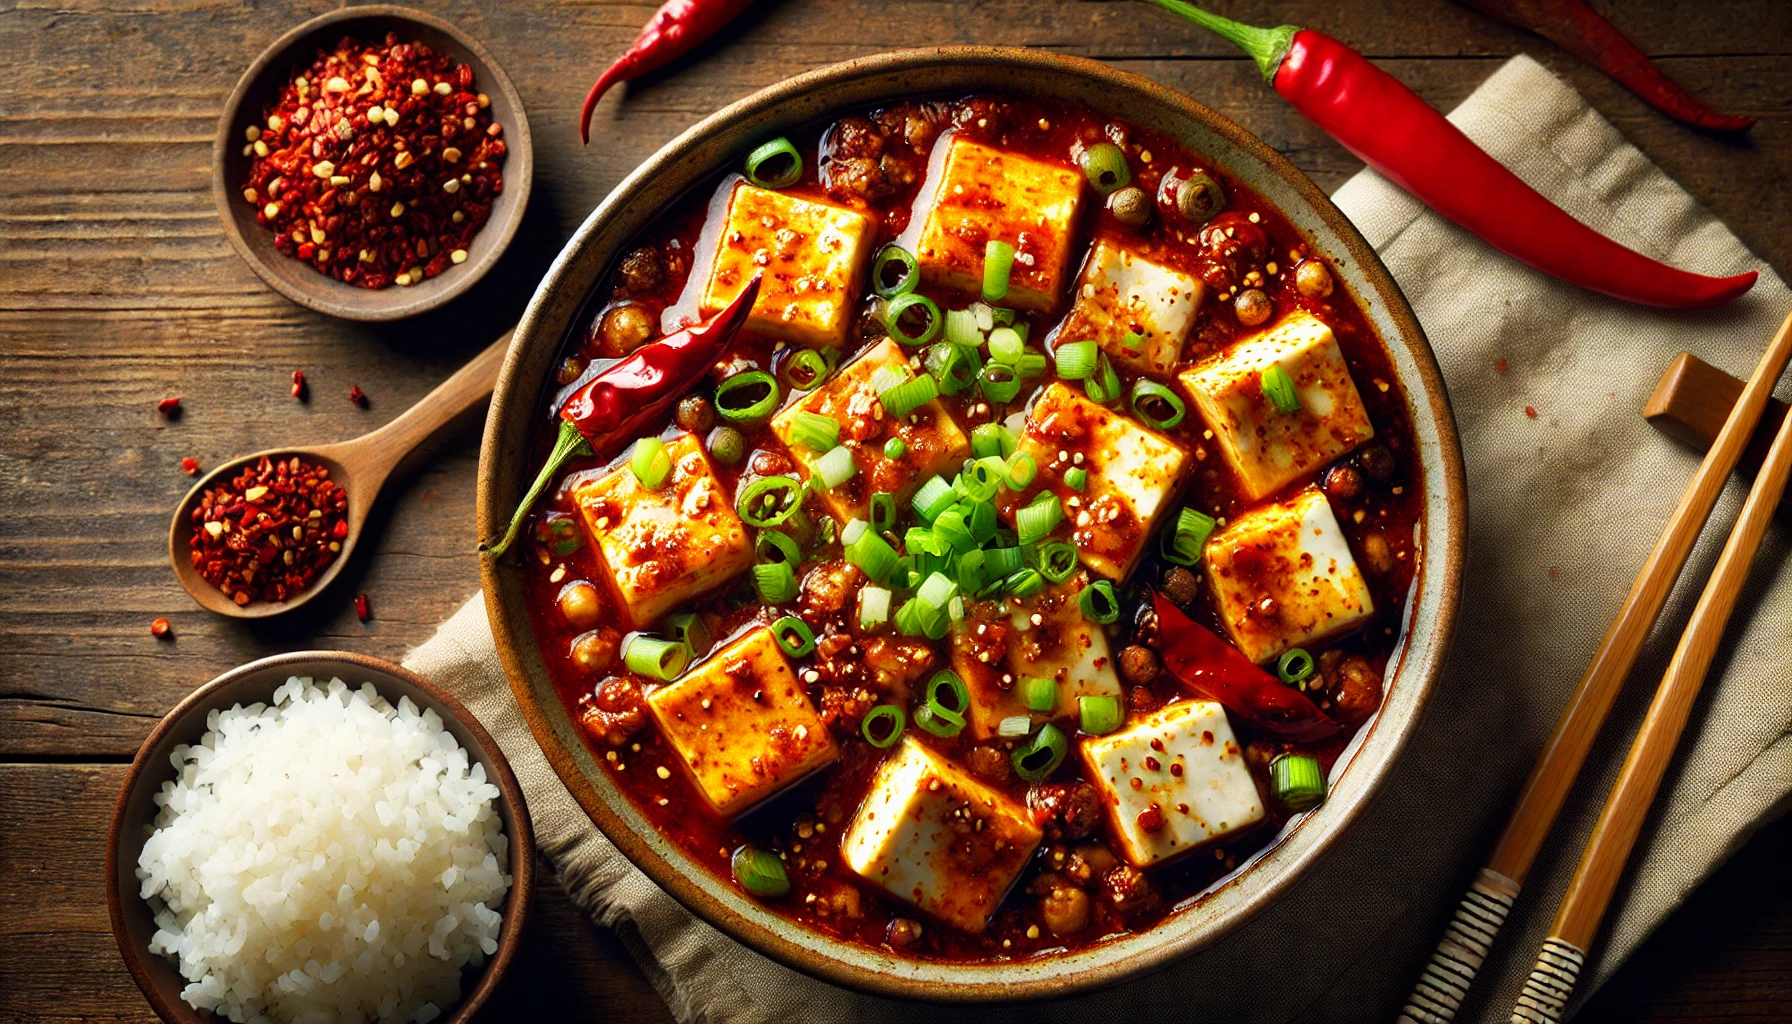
(411, 434)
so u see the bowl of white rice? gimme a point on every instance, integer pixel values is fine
(319, 837)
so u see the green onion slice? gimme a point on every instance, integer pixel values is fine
(654, 658)
(883, 511)
(1105, 167)
(769, 500)
(1037, 758)
(883, 725)
(1077, 479)
(962, 329)
(1182, 544)
(903, 305)
(815, 431)
(970, 571)
(1038, 518)
(1297, 782)
(1025, 583)
(943, 728)
(1098, 602)
(1075, 359)
(1278, 387)
(650, 463)
(909, 395)
(794, 636)
(1103, 386)
(932, 497)
(1029, 365)
(937, 590)
(873, 555)
(775, 164)
(953, 365)
(1295, 666)
(835, 467)
(1022, 468)
(1005, 345)
(748, 397)
(1132, 341)
(874, 607)
(689, 630)
(998, 383)
(774, 546)
(895, 272)
(895, 449)
(1157, 405)
(804, 369)
(947, 697)
(998, 266)
(983, 477)
(760, 872)
(1014, 726)
(1057, 561)
(775, 582)
(991, 439)
(1040, 693)
(1002, 562)
(1099, 715)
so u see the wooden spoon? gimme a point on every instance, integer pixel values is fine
(362, 466)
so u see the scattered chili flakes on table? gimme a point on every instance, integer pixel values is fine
(169, 407)
(1530, 411)
(298, 384)
(269, 532)
(377, 164)
(160, 628)
(356, 396)
(190, 466)
(361, 610)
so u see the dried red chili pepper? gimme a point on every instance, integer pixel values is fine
(1211, 666)
(615, 403)
(298, 384)
(168, 406)
(1582, 31)
(269, 531)
(159, 628)
(361, 610)
(356, 397)
(674, 29)
(1391, 129)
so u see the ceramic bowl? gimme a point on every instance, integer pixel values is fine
(720, 141)
(263, 81)
(132, 922)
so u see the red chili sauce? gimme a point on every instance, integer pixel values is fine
(1078, 888)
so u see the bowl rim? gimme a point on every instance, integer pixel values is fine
(848, 964)
(202, 700)
(326, 294)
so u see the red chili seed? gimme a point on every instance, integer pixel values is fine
(168, 406)
(1528, 411)
(1151, 819)
(298, 384)
(361, 610)
(190, 465)
(340, 530)
(1501, 366)
(160, 627)
(1152, 763)
(1176, 769)
(357, 397)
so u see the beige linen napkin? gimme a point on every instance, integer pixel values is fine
(1563, 507)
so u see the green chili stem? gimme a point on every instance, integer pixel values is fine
(1267, 46)
(568, 444)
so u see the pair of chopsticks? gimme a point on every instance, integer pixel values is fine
(1471, 933)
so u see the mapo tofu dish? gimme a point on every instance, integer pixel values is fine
(972, 528)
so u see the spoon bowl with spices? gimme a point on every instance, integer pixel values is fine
(262, 534)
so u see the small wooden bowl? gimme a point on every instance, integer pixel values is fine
(263, 81)
(132, 818)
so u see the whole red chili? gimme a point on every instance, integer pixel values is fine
(377, 163)
(1391, 129)
(159, 628)
(356, 397)
(298, 384)
(267, 533)
(168, 406)
(674, 29)
(1211, 666)
(190, 465)
(615, 403)
(1582, 31)
(361, 610)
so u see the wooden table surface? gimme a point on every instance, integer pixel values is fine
(117, 289)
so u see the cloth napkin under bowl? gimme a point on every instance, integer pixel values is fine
(1568, 490)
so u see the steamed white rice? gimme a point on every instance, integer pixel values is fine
(327, 858)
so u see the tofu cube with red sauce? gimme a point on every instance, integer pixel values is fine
(1121, 293)
(813, 254)
(933, 441)
(742, 725)
(999, 645)
(1266, 447)
(984, 194)
(1283, 576)
(1173, 781)
(1133, 471)
(934, 835)
(665, 547)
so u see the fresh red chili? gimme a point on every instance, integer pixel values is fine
(1211, 666)
(268, 532)
(674, 29)
(615, 403)
(169, 407)
(1582, 31)
(1391, 129)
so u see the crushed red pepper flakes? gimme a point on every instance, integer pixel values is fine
(357, 396)
(362, 612)
(160, 628)
(190, 466)
(1500, 366)
(298, 384)
(268, 532)
(1531, 412)
(169, 407)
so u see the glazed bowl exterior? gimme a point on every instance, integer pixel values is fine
(720, 141)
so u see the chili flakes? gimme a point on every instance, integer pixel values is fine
(267, 533)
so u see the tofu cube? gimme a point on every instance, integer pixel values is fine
(934, 441)
(1267, 448)
(665, 547)
(984, 194)
(1294, 552)
(1121, 292)
(742, 725)
(1063, 646)
(934, 835)
(813, 254)
(1134, 474)
(1192, 787)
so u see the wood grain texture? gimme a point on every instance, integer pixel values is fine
(117, 289)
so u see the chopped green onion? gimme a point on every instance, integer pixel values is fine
(656, 659)
(909, 395)
(986, 315)
(775, 582)
(998, 265)
(901, 306)
(1099, 715)
(907, 272)
(1076, 359)
(760, 872)
(774, 546)
(931, 498)
(804, 369)
(1103, 386)
(794, 636)
(991, 439)
(970, 571)
(835, 467)
(1038, 518)
(1057, 561)
(815, 431)
(943, 728)
(954, 366)
(874, 607)
(1105, 167)
(1025, 583)
(919, 540)
(1099, 603)
(1022, 468)
(998, 383)
(1278, 387)
(952, 530)
(1037, 758)
(650, 463)
(1077, 479)
(937, 590)
(1132, 341)
(1157, 405)
(1002, 562)
(769, 500)
(1297, 782)
(739, 399)
(775, 164)
(955, 608)
(1295, 666)
(689, 630)
(947, 696)
(873, 555)
(1014, 726)
(1005, 345)
(982, 520)
(1029, 365)
(1183, 543)
(884, 378)
(854, 530)
(883, 511)
(883, 725)
(895, 449)
(982, 478)
(1040, 693)
(961, 328)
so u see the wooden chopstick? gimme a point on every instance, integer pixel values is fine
(1471, 932)
(1551, 984)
